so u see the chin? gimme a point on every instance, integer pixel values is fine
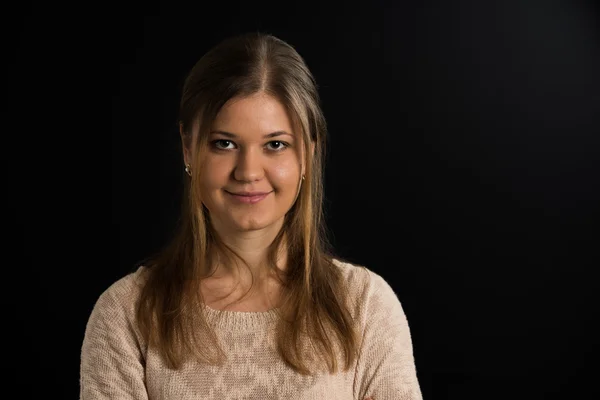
(247, 224)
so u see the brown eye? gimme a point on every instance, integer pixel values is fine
(277, 145)
(221, 144)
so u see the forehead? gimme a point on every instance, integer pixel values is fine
(259, 113)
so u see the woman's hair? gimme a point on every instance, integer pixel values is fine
(314, 308)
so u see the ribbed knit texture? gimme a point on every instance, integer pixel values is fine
(116, 364)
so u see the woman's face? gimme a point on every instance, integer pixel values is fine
(251, 170)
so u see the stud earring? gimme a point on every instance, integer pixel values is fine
(188, 170)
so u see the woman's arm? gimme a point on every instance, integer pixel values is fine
(112, 364)
(386, 367)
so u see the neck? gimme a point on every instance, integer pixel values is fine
(252, 247)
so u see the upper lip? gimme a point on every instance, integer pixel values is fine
(249, 193)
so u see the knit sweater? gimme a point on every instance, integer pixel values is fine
(116, 364)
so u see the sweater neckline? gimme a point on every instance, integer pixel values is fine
(240, 320)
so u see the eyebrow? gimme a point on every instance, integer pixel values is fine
(267, 136)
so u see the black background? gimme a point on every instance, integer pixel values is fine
(463, 168)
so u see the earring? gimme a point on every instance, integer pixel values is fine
(188, 170)
(302, 177)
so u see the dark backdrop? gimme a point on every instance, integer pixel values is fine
(463, 168)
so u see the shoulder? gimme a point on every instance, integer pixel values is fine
(117, 303)
(360, 278)
(366, 288)
(113, 348)
(124, 291)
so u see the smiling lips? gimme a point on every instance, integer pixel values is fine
(248, 197)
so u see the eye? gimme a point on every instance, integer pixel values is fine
(277, 145)
(221, 144)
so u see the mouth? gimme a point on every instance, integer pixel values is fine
(248, 197)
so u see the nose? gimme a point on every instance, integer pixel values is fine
(249, 166)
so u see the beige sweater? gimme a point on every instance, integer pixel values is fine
(117, 365)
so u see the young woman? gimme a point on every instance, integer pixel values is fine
(248, 301)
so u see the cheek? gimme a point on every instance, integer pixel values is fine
(216, 173)
(286, 173)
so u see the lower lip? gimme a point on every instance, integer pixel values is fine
(248, 199)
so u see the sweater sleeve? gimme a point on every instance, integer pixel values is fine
(112, 362)
(385, 368)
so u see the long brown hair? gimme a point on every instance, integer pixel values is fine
(315, 303)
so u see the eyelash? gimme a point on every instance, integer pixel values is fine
(214, 144)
